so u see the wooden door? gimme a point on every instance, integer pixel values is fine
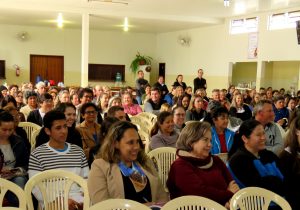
(48, 67)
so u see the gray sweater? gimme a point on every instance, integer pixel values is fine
(161, 140)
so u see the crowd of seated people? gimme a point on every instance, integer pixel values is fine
(94, 125)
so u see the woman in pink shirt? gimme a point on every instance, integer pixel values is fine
(129, 107)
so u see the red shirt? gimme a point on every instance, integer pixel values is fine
(222, 143)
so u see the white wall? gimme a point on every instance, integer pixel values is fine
(106, 47)
(213, 48)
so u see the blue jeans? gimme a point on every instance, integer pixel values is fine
(139, 99)
(12, 199)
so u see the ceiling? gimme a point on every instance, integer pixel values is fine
(154, 16)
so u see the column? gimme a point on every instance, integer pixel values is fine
(260, 74)
(85, 49)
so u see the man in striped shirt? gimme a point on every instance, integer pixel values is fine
(58, 154)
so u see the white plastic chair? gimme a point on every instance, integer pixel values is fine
(143, 123)
(33, 138)
(223, 157)
(119, 204)
(5, 186)
(55, 185)
(192, 202)
(163, 158)
(145, 137)
(29, 127)
(256, 198)
(149, 116)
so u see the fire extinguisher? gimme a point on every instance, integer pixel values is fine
(17, 70)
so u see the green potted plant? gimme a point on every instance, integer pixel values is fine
(140, 60)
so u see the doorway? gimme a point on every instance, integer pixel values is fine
(48, 67)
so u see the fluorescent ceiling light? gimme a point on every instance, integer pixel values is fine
(125, 26)
(60, 20)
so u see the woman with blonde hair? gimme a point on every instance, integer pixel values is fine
(239, 109)
(196, 110)
(196, 171)
(123, 170)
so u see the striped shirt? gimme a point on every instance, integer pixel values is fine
(45, 158)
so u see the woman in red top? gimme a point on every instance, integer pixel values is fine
(196, 171)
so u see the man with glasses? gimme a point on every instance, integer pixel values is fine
(85, 96)
(46, 105)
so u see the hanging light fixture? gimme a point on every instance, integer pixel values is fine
(226, 3)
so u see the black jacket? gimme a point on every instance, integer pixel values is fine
(19, 149)
(35, 117)
(73, 137)
(242, 165)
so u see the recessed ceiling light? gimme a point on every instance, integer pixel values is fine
(239, 8)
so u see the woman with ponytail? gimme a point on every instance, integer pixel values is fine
(163, 133)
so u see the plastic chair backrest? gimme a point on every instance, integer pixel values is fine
(149, 116)
(223, 157)
(146, 139)
(256, 198)
(33, 138)
(163, 158)
(143, 123)
(191, 202)
(29, 127)
(55, 185)
(119, 204)
(6, 185)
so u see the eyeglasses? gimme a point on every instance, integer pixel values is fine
(90, 112)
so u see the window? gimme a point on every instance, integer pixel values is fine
(105, 72)
(245, 25)
(283, 20)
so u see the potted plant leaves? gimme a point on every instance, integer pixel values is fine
(141, 60)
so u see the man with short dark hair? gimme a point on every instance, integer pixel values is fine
(85, 96)
(117, 112)
(199, 82)
(58, 154)
(160, 84)
(154, 103)
(46, 105)
(140, 85)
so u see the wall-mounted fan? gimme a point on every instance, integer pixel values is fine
(23, 36)
(110, 1)
(184, 41)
